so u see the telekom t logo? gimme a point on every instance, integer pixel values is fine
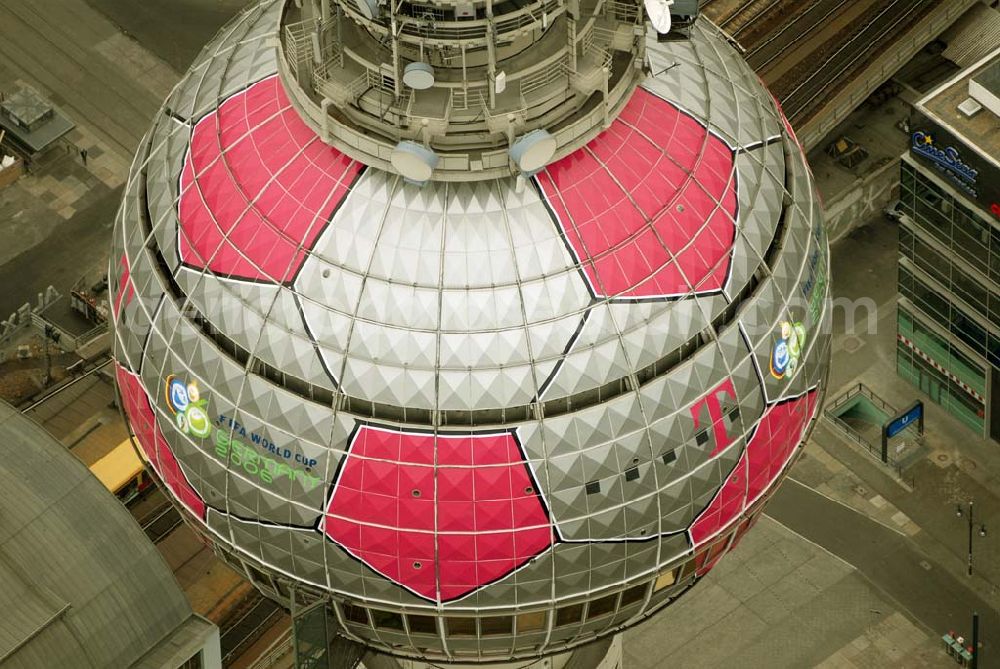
(713, 402)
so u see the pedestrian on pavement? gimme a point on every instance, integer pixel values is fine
(83, 156)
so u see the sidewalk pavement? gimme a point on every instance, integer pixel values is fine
(41, 202)
(779, 601)
(823, 473)
(191, 24)
(938, 597)
(56, 220)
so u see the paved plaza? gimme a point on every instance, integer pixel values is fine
(782, 601)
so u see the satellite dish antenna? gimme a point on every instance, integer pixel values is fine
(415, 162)
(658, 12)
(533, 151)
(418, 75)
(368, 8)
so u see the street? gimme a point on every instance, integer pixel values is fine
(934, 595)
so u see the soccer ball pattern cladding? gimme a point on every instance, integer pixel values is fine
(471, 399)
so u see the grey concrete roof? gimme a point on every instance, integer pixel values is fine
(82, 585)
(980, 130)
(180, 646)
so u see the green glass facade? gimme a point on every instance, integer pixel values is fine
(948, 321)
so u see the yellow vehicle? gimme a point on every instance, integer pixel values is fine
(122, 472)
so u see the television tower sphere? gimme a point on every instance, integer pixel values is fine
(490, 325)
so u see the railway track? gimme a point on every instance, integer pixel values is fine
(803, 95)
(748, 15)
(38, 401)
(814, 15)
(246, 624)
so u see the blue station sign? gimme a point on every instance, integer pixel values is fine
(912, 416)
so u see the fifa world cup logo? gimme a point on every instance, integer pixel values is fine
(189, 408)
(788, 349)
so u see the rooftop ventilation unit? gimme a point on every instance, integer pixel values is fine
(969, 107)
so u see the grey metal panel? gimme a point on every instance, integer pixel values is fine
(67, 543)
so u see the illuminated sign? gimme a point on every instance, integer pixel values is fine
(913, 416)
(965, 166)
(266, 469)
(237, 429)
(948, 160)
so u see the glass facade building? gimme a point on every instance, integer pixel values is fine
(944, 342)
(948, 320)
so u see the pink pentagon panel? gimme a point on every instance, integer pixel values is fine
(649, 206)
(440, 515)
(125, 288)
(257, 187)
(742, 530)
(766, 455)
(727, 505)
(775, 440)
(158, 454)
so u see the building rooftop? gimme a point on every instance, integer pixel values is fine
(982, 129)
(32, 121)
(82, 585)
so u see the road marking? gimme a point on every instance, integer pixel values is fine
(848, 506)
(810, 541)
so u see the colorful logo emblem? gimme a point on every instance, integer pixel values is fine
(788, 349)
(184, 400)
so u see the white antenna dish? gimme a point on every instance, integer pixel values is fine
(533, 151)
(415, 162)
(658, 12)
(418, 76)
(368, 8)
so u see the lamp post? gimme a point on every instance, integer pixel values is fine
(982, 530)
(975, 641)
